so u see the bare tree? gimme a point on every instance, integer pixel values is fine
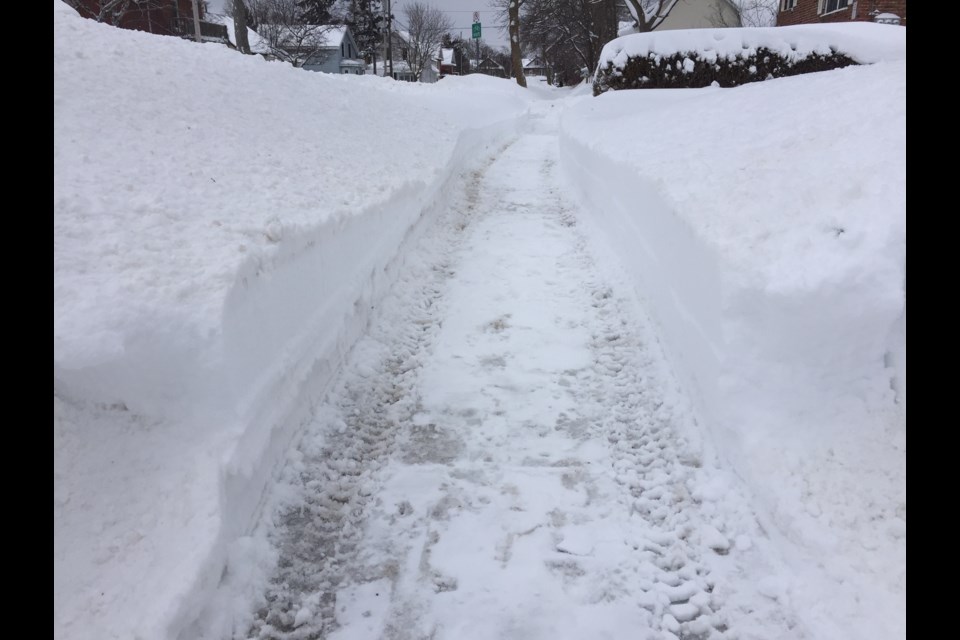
(283, 26)
(568, 35)
(427, 26)
(516, 53)
(647, 14)
(111, 11)
(239, 10)
(745, 13)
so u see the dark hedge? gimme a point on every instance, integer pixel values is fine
(645, 72)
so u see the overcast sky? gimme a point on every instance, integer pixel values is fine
(460, 11)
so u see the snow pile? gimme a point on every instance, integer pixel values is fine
(866, 43)
(222, 227)
(766, 227)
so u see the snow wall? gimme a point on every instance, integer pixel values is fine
(220, 241)
(777, 279)
(321, 294)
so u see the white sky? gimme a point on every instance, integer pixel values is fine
(460, 11)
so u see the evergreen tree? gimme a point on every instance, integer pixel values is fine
(316, 11)
(366, 21)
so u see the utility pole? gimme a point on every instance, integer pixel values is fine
(196, 21)
(476, 36)
(388, 58)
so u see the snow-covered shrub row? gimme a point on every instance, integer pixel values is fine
(732, 57)
(690, 69)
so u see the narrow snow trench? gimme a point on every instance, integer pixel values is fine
(500, 457)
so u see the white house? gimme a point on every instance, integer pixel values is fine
(691, 14)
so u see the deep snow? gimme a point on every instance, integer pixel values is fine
(226, 230)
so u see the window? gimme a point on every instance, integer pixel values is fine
(787, 5)
(829, 6)
(403, 52)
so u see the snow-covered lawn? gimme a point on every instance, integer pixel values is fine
(433, 292)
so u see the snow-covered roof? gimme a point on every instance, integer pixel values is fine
(447, 56)
(535, 62)
(887, 18)
(333, 36)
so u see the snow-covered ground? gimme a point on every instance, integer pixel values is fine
(398, 280)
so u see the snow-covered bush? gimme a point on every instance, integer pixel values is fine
(689, 58)
(692, 69)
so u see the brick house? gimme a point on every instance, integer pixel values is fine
(816, 11)
(162, 17)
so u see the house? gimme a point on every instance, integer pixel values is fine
(336, 53)
(314, 47)
(453, 62)
(162, 17)
(400, 65)
(535, 66)
(491, 68)
(816, 11)
(403, 71)
(446, 63)
(697, 14)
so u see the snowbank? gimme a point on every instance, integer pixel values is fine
(766, 227)
(222, 228)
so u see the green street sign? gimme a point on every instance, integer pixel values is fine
(476, 30)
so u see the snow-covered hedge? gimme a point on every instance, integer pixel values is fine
(732, 57)
(692, 69)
